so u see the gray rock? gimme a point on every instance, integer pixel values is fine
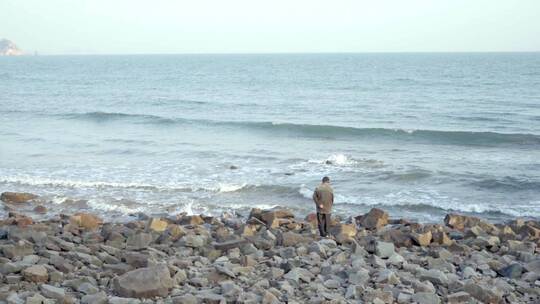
(387, 276)
(425, 298)
(87, 288)
(139, 241)
(185, 299)
(52, 292)
(483, 293)
(435, 276)
(36, 299)
(533, 266)
(95, 298)
(512, 271)
(458, 297)
(119, 300)
(20, 249)
(296, 274)
(332, 284)
(144, 282)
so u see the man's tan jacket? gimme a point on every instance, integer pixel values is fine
(324, 195)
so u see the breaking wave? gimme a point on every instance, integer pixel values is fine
(474, 138)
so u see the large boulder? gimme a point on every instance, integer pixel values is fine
(17, 197)
(374, 219)
(271, 217)
(147, 282)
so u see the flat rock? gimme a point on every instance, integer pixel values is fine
(51, 292)
(17, 197)
(154, 281)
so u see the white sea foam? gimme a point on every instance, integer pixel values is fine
(230, 187)
(40, 181)
(338, 159)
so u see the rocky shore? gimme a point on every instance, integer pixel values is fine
(269, 257)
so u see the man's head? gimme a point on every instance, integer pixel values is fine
(326, 180)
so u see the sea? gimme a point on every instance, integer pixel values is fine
(419, 135)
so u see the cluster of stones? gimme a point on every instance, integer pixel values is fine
(269, 257)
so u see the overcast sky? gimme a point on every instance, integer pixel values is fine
(252, 26)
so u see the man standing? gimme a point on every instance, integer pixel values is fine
(324, 199)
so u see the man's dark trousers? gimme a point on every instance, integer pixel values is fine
(323, 219)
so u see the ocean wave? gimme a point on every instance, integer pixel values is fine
(474, 138)
(507, 183)
(99, 116)
(424, 201)
(39, 181)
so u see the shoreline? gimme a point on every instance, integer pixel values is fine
(271, 256)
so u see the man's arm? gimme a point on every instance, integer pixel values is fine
(316, 198)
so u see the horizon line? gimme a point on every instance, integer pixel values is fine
(37, 53)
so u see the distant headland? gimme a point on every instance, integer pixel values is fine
(8, 48)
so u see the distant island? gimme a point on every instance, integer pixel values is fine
(8, 48)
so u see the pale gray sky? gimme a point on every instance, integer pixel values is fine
(252, 26)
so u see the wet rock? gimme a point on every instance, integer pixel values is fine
(40, 209)
(374, 219)
(17, 197)
(36, 274)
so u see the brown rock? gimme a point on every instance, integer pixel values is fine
(157, 225)
(17, 197)
(272, 217)
(422, 239)
(290, 238)
(86, 220)
(191, 220)
(36, 274)
(460, 222)
(374, 219)
(441, 238)
(40, 209)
